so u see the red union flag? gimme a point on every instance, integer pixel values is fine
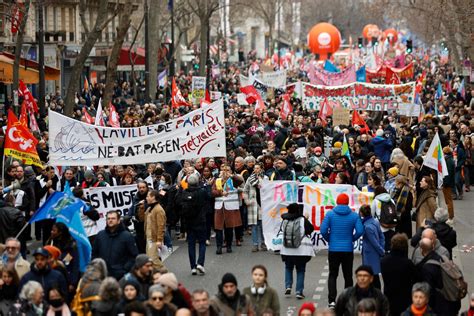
(17, 16)
(114, 119)
(286, 108)
(177, 98)
(88, 118)
(26, 94)
(20, 143)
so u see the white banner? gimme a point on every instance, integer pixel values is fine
(198, 89)
(198, 134)
(274, 79)
(105, 199)
(317, 199)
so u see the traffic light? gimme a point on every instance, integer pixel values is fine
(409, 46)
(360, 42)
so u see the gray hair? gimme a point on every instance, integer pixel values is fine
(421, 287)
(110, 290)
(397, 153)
(29, 290)
(156, 288)
(249, 159)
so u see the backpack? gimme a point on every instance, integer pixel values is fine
(189, 203)
(389, 217)
(454, 287)
(293, 233)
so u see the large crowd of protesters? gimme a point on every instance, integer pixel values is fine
(126, 274)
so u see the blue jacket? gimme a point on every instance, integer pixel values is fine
(373, 244)
(338, 229)
(382, 148)
(48, 278)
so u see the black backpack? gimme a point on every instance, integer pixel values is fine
(389, 217)
(293, 233)
(189, 203)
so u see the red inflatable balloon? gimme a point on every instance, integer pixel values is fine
(324, 39)
(392, 36)
(370, 30)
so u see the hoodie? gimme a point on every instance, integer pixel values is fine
(338, 229)
(377, 205)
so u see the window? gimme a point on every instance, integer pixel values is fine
(63, 19)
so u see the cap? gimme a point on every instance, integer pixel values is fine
(342, 199)
(141, 260)
(229, 278)
(41, 252)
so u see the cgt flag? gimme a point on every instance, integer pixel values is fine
(114, 118)
(26, 94)
(20, 143)
(66, 208)
(177, 98)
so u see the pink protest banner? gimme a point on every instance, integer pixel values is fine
(325, 78)
(360, 96)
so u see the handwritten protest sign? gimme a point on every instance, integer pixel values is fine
(359, 96)
(198, 89)
(198, 134)
(105, 199)
(317, 200)
(340, 116)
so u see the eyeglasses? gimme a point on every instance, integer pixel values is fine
(11, 248)
(157, 298)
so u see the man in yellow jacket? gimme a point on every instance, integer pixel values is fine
(155, 225)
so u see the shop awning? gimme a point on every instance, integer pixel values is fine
(50, 73)
(29, 75)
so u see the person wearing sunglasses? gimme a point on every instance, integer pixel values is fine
(12, 258)
(156, 304)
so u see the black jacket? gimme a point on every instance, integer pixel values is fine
(347, 301)
(47, 277)
(198, 221)
(117, 248)
(11, 221)
(431, 274)
(399, 275)
(408, 312)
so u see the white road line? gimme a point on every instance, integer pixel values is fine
(316, 297)
(319, 289)
(326, 268)
(325, 274)
(322, 281)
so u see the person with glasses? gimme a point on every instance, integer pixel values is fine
(11, 257)
(156, 304)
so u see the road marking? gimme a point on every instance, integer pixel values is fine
(325, 274)
(319, 289)
(326, 268)
(316, 297)
(322, 281)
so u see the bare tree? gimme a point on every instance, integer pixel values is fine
(122, 29)
(19, 43)
(204, 9)
(92, 35)
(132, 61)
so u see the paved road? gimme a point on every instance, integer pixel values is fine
(242, 259)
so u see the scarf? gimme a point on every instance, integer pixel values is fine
(254, 181)
(418, 312)
(401, 197)
(63, 309)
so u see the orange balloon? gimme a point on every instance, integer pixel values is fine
(392, 35)
(370, 30)
(324, 39)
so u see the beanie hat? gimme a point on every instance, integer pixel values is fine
(169, 279)
(282, 159)
(338, 145)
(133, 282)
(447, 150)
(193, 180)
(441, 215)
(141, 260)
(89, 174)
(393, 171)
(53, 251)
(317, 150)
(365, 268)
(228, 278)
(309, 306)
(342, 199)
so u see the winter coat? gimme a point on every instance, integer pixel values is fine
(199, 219)
(105, 308)
(261, 302)
(376, 206)
(399, 274)
(408, 312)
(346, 304)
(417, 257)
(338, 228)
(117, 248)
(431, 274)
(22, 266)
(285, 174)
(11, 222)
(8, 295)
(425, 206)
(382, 148)
(155, 223)
(251, 195)
(449, 180)
(373, 244)
(47, 277)
(25, 308)
(239, 305)
(304, 252)
(446, 237)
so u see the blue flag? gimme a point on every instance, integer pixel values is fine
(439, 91)
(66, 208)
(361, 75)
(330, 67)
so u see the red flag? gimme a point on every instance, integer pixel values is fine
(358, 120)
(87, 116)
(23, 114)
(114, 118)
(17, 16)
(33, 124)
(177, 98)
(26, 94)
(287, 108)
(20, 143)
(325, 111)
(391, 77)
(251, 93)
(208, 96)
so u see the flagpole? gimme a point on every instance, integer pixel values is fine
(3, 171)
(22, 229)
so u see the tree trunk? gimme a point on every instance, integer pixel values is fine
(132, 61)
(74, 83)
(111, 74)
(18, 45)
(154, 44)
(203, 38)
